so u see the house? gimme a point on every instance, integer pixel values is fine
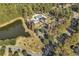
(38, 18)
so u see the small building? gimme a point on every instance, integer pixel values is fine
(38, 18)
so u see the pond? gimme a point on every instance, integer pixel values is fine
(13, 30)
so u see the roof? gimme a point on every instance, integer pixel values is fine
(37, 17)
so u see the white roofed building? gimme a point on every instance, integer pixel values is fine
(38, 18)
